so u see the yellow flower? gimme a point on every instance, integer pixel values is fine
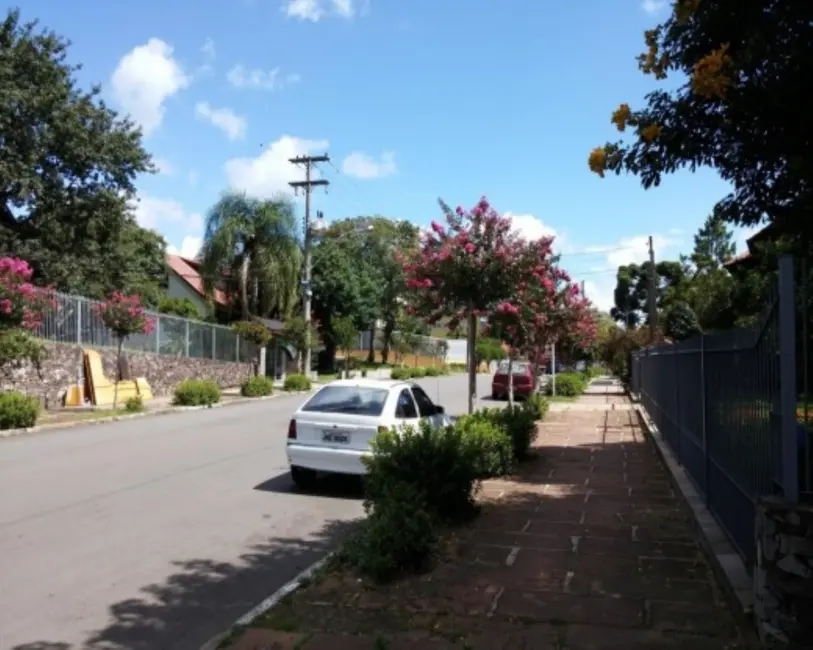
(709, 77)
(650, 132)
(621, 116)
(597, 161)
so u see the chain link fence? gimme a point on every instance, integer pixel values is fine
(74, 320)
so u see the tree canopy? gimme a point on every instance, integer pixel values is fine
(67, 169)
(256, 245)
(742, 109)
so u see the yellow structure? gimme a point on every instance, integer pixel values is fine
(101, 390)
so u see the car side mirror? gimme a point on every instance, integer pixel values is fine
(439, 410)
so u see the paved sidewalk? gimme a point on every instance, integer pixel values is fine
(588, 548)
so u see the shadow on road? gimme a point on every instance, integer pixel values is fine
(205, 597)
(333, 486)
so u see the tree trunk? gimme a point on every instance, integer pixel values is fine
(244, 267)
(371, 352)
(118, 374)
(472, 342)
(389, 327)
(510, 381)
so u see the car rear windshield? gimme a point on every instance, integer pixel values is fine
(358, 400)
(518, 368)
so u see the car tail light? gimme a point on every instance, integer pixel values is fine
(292, 430)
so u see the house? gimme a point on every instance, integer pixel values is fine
(184, 281)
(749, 259)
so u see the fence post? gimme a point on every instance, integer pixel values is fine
(677, 405)
(237, 349)
(186, 338)
(704, 418)
(157, 335)
(787, 379)
(79, 321)
(214, 336)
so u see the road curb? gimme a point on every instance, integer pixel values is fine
(286, 590)
(41, 428)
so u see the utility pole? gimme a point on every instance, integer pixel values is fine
(307, 186)
(653, 312)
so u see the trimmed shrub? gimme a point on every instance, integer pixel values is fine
(196, 392)
(296, 383)
(134, 404)
(537, 405)
(399, 374)
(490, 445)
(436, 461)
(18, 410)
(417, 480)
(568, 384)
(519, 423)
(458, 367)
(432, 371)
(397, 536)
(417, 373)
(258, 386)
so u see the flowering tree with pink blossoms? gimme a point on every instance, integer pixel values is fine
(22, 309)
(124, 315)
(462, 270)
(545, 306)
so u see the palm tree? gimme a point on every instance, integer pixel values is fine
(256, 243)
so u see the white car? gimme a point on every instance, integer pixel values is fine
(331, 432)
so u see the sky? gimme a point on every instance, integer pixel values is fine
(411, 100)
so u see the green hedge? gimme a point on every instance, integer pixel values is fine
(421, 479)
(296, 383)
(196, 392)
(259, 386)
(568, 384)
(18, 410)
(405, 372)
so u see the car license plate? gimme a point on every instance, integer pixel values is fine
(342, 437)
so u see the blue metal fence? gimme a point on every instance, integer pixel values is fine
(726, 404)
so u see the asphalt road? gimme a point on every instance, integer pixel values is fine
(159, 532)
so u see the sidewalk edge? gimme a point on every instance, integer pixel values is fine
(42, 428)
(286, 590)
(725, 560)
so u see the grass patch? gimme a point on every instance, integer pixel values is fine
(561, 398)
(81, 416)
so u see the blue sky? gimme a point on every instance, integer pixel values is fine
(412, 100)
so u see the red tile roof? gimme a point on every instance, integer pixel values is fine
(188, 271)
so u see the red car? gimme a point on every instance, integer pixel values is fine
(524, 380)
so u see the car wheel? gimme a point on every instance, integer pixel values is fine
(303, 478)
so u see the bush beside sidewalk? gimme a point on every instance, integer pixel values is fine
(586, 547)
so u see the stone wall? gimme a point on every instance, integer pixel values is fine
(783, 578)
(163, 372)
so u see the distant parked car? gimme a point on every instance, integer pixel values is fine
(524, 380)
(332, 431)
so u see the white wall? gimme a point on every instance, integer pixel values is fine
(177, 287)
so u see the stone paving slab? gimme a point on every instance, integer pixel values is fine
(587, 548)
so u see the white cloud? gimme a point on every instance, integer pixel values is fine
(208, 50)
(241, 77)
(163, 166)
(190, 247)
(144, 79)
(270, 172)
(233, 125)
(362, 165)
(653, 7)
(155, 214)
(315, 10)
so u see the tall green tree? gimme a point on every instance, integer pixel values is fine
(67, 169)
(256, 245)
(343, 285)
(631, 295)
(738, 104)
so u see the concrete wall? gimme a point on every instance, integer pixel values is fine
(163, 372)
